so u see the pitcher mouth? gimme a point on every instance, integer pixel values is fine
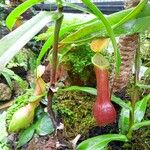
(100, 61)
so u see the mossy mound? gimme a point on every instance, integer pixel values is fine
(76, 111)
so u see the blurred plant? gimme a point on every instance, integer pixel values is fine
(145, 48)
(3, 146)
(9, 75)
(25, 58)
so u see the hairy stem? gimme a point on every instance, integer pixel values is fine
(135, 95)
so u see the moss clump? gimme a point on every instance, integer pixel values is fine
(79, 63)
(76, 111)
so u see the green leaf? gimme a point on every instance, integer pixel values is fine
(62, 32)
(8, 79)
(96, 29)
(89, 90)
(26, 135)
(133, 13)
(9, 74)
(124, 121)
(15, 14)
(140, 109)
(109, 29)
(100, 142)
(137, 126)
(14, 41)
(93, 91)
(44, 125)
(120, 102)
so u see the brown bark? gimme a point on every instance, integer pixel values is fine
(127, 46)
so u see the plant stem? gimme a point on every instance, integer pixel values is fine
(135, 95)
(49, 108)
(54, 64)
(55, 50)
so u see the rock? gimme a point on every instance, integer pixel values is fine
(5, 92)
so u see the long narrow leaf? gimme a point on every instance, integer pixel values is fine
(45, 48)
(140, 109)
(13, 42)
(137, 126)
(93, 91)
(15, 14)
(96, 29)
(133, 13)
(89, 90)
(139, 113)
(124, 121)
(9, 74)
(100, 142)
(62, 32)
(129, 28)
(8, 79)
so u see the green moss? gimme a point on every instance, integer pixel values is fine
(76, 112)
(79, 62)
(25, 58)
